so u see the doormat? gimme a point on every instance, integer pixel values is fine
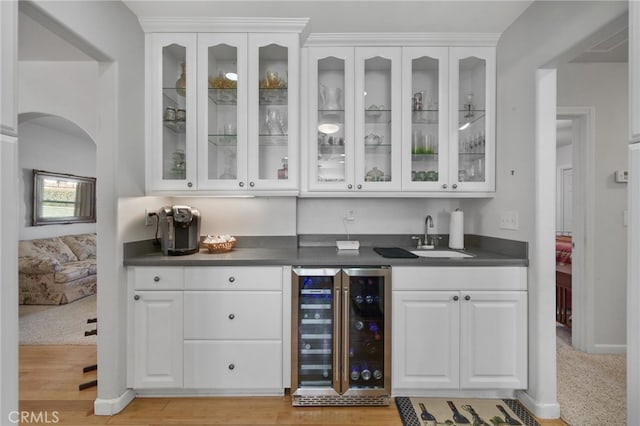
(461, 411)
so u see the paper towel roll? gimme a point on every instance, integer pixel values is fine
(456, 230)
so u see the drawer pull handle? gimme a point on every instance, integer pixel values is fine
(136, 297)
(467, 297)
(156, 278)
(455, 298)
(232, 279)
(349, 186)
(454, 186)
(359, 186)
(231, 366)
(444, 186)
(231, 316)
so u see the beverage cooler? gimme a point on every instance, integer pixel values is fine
(341, 346)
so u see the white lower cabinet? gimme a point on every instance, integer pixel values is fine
(217, 330)
(157, 337)
(459, 339)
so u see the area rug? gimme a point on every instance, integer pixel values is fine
(418, 411)
(591, 387)
(58, 324)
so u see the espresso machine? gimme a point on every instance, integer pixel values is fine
(180, 230)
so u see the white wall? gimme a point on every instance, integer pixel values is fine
(544, 32)
(564, 155)
(49, 149)
(604, 86)
(375, 215)
(64, 89)
(111, 34)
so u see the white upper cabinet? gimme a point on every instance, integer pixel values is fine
(170, 112)
(425, 102)
(377, 120)
(223, 110)
(472, 119)
(222, 121)
(354, 117)
(389, 121)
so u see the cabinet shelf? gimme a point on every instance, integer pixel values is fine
(175, 126)
(273, 96)
(224, 96)
(230, 141)
(382, 116)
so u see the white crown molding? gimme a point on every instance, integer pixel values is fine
(402, 39)
(163, 24)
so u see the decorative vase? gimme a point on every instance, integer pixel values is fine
(181, 83)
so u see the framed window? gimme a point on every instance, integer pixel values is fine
(63, 198)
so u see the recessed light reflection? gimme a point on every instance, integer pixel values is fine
(231, 76)
(328, 128)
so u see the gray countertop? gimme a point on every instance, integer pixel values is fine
(484, 255)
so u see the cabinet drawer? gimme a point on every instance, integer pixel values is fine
(230, 278)
(232, 315)
(459, 278)
(233, 365)
(154, 278)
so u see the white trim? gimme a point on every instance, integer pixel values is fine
(633, 287)
(540, 410)
(109, 407)
(402, 39)
(583, 258)
(228, 25)
(609, 349)
(542, 392)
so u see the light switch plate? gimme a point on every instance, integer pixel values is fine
(509, 220)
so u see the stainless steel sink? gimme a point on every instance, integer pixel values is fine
(440, 253)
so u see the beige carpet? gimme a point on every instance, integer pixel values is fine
(58, 324)
(591, 387)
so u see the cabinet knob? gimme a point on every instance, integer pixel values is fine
(241, 184)
(189, 184)
(231, 366)
(136, 297)
(349, 186)
(156, 278)
(455, 298)
(231, 316)
(359, 186)
(252, 184)
(232, 279)
(467, 297)
(444, 186)
(454, 186)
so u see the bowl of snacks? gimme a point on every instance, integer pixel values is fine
(219, 243)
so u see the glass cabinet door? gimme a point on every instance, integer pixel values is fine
(222, 86)
(367, 348)
(473, 123)
(273, 111)
(173, 107)
(377, 106)
(425, 103)
(331, 119)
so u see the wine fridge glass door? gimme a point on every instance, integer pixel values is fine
(315, 312)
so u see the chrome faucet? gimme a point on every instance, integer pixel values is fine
(428, 223)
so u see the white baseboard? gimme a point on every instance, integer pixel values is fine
(609, 349)
(109, 407)
(540, 410)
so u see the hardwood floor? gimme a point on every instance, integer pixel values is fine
(50, 375)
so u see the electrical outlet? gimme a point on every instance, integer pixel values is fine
(148, 221)
(509, 220)
(349, 216)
